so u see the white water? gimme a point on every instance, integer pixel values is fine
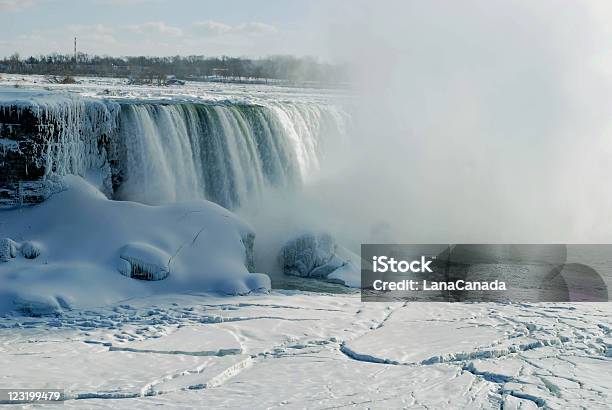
(158, 153)
(224, 153)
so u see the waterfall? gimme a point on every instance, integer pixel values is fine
(224, 153)
(159, 152)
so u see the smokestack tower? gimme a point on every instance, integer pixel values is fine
(75, 51)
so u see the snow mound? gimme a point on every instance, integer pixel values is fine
(142, 261)
(8, 249)
(318, 256)
(38, 305)
(83, 235)
(30, 250)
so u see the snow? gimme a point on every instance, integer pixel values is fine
(82, 237)
(29, 97)
(8, 249)
(30, 250)
(143, 261)
(296, 350)
(118, 89)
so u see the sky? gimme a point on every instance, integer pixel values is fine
(161, 27)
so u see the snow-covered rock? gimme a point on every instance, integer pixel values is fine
(7, 249)
(142, 261)
(30, 250)
(201, 244)
(309, 255)
(318, 256)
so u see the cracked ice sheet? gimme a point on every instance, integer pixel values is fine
(195, 341)
(83, 369)
(329, 380)
(292, 355)
(450, 329)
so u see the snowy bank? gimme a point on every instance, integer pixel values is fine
(93, 251)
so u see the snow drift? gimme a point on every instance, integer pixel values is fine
(84, 242)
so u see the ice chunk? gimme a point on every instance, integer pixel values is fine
(318, 256)
(143, 261)
(309, 255)
(7, 249)
(30, 250)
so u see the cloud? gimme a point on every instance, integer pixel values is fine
(152, 38)
(155, 27)
(256, 29)
(93, 34)
(15, 5)
(126, 2)
(211, 28)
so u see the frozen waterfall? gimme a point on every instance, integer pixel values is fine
(225, 153)
(157, 152)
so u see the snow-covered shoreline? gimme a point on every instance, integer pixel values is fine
(193, 91)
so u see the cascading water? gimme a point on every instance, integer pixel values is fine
(225, 153)
(158, 152)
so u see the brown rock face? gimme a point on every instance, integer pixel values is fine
(20, 173)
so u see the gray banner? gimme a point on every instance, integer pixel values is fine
(479, 272)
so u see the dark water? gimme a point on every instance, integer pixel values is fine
(285, 282)
(530, 272)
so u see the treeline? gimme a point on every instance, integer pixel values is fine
(286, 68)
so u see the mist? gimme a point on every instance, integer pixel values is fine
(472, 122)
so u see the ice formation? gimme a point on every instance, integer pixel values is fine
(318, 256)
(8, 249)
(30, 250)
(157, 152)
(143, 261)
(200, 243)
(45, 135)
